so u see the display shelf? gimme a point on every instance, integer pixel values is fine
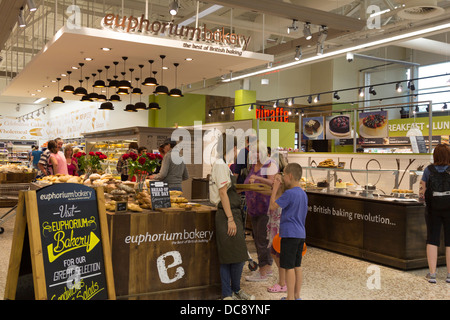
(113, 149)
(324, 179)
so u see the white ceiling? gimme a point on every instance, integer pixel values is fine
(71, 47)
(265, 21)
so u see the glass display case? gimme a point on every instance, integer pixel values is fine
(113, 149)
(357, 182)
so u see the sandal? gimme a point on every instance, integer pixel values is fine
(277, 288)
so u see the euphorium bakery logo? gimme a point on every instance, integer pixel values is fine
(144, 26)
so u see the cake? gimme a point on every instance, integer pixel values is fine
(322, 184)
(312, 127)
(374, 124)
(340, 184)
(339, 126)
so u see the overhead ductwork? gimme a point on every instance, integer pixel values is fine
(420, 9)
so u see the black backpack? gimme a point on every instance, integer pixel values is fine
(437, 194)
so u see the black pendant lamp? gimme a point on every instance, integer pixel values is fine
(175, 92)
(102, 97)
(114, 83)
(162, 89)
(80, 91)
(124, 84)
(122, 91)
(58, 99)
(106, 106)
(153, 106)
(86, 98)
(137, 90)
(150, 81)
(68, 88)
(130, 107)
(99, 83)
(93, 95)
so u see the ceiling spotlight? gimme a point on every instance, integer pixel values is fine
(307, 31)
(22, 23)
(222, 112)
(31, 6)
(275, 104)
(411, 86)
(309, 99)
(317, 98)
(336, 95)
(361, 92)
(319, 50)
(293, 27)
(298, 53)
(232, 110)
(444, 107)
(173, 7)
(398, 87)
(290, 102)
(322, 35)
(209, 113)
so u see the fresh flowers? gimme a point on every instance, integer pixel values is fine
(145, 163)
(92, 161)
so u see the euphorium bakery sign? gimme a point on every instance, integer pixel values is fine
(169, 29)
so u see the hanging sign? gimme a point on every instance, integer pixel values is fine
(68, 244)
(141, 25)
(272, 114)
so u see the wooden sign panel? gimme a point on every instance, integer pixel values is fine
(69, 247)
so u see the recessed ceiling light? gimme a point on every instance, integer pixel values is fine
(39, 90)
(88, 59)
(63, 75)
(75, 68)
(45, 86)
(53, 80)
(106, 49)
(165, 68)
(188, 59)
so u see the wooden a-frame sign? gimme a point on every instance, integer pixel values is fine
(60, 248)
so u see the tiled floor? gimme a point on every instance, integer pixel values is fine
(326, 276)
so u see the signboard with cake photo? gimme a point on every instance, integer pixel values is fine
(373, 124)
(339, 127)
(313, 128)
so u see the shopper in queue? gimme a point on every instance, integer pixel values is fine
(62, 163)
(437, 175)
(172, 173)
(72, 164)
(230, 237)
(43, 161)
(53, 165)
(262, 170)
(294, 205)
(35, 156)
(122, 165)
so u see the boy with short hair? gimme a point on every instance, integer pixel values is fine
(294, 204)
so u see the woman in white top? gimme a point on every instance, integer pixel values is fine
(230, 237)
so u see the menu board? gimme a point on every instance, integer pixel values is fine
(71, 242)
(159, 192)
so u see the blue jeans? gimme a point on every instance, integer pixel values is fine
(230, 276)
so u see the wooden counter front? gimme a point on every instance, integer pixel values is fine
(165, 255)
(386, 232)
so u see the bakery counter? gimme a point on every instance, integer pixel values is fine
(166, 254)
(383, 231)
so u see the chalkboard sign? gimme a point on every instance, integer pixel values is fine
(159, 192)
(69, 244)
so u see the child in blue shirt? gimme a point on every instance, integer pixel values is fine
(294, 204)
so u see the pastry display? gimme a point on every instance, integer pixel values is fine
(339, 126)
(312, 127)
(323, 184)
(328, 163)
